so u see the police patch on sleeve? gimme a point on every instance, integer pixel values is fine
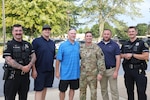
(146, 45)
(5, 47)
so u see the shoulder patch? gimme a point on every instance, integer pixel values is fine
(5, 47)
(146, 45)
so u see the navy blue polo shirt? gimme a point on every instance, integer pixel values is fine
(110, 50)
(45, 52)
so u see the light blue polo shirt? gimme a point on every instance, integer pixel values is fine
(68, 55)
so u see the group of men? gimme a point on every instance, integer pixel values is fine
(20, 56)
(98, 62)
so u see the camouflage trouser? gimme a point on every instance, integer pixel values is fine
(90, 80)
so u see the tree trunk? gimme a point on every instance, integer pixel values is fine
(101, 28)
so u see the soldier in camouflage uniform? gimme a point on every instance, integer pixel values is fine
(92, 67)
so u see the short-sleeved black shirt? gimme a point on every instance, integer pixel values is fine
(138, 46)
(13, 48)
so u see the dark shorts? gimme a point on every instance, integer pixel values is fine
(63, 84)
(44, 80)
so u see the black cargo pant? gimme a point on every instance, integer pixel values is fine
(20, 85)
(135, 76)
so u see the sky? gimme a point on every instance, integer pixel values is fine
(145, 10)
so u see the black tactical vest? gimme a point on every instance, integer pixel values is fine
(134, 48)
(21, 53)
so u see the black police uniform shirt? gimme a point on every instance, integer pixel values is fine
(136, 47)
(19, 51)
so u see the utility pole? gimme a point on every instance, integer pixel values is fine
(149, 26)
(3, 22)
(68, 20)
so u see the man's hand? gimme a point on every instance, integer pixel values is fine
(127, 56)
(115, 74)
(34, 74)
(26, 68)
(57, 74)
(99, 77)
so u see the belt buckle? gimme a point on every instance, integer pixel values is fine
(22, 73)
(131, 66)
(110, 67)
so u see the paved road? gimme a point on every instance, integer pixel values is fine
(31, 84)
(53, 93)
(122, 90)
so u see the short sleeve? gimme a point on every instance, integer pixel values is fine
(59, 53)
(7, 49)
(145, 47)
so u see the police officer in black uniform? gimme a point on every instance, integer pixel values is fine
(135, 53)
(19, 58)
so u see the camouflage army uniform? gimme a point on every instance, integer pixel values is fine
(92, 63)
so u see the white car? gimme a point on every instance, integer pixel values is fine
(58, 44)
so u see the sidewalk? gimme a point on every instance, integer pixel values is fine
(53, 94)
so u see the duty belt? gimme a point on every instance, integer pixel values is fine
(19, 72)
(15, 72)
(134, 66)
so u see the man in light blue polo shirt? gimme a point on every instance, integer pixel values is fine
(69, 70)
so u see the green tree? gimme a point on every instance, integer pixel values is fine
(33, 14)
(142, 29)
(80, 31)
(148, 30)
(86, 29)
(95, 31)
(1, 14)
(103, 11)
(108, 26)
(121, 34)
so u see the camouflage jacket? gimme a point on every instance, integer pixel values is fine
(92, 59)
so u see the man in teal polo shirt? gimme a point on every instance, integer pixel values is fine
(69, 70)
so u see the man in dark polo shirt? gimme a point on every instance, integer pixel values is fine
(111, 52)
(45, 51)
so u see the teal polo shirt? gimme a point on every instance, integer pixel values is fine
(68, 55)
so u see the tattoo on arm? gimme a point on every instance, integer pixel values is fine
(13, 63)
(33, 59)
